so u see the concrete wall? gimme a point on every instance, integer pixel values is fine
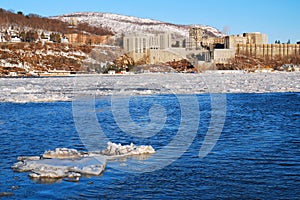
(156, 56)
(223, 55)
(246, 38)
(162, 56)
(268, 50)
(139, 56)
(232, 40)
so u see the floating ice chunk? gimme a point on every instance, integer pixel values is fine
(50, 172)
(126, 150)
(62, 153)
(22, 158)
(6, 194)
(61, 168)
(69, 163)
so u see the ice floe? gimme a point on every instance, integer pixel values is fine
(23, 90)
(62, 153)
(117, 150)
(71, 164)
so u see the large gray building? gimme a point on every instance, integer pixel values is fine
(140, 43)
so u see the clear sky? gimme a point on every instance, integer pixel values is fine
(279, 19)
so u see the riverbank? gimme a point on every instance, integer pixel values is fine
(66, 88)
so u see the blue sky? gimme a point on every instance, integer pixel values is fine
(277, 18)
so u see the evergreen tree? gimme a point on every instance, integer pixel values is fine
(55, 37)
(31, 36)
(22, 36)
(58, 38)
(43, 35)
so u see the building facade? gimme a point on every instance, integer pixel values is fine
(268, 50)
(223, 55)
(141, 46)
(195, 38)
(246, 38)
(140, 43)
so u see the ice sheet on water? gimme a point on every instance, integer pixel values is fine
(69, 163)
(66, 88)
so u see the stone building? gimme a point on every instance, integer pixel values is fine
(254, 45)
(195, 38)
(246, 38)
(157, 48)
(152, 46)
(139, 43)
(233, 42)
(268, 50)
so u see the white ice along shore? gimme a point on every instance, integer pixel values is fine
(71, 164)
(22, 90)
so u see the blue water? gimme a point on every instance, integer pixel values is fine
(256, 157)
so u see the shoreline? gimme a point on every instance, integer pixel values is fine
(157, 73)
(71, 100)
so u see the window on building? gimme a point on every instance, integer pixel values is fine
(144, 45)
(136, 45)
(128, 46)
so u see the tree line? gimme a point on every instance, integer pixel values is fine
(37, 22)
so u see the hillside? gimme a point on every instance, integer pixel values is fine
(36, 22)
(33, 58)
(127, 24)
(38, 57)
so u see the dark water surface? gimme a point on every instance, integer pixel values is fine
(256, 157)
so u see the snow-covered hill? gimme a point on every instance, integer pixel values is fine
(128, 24)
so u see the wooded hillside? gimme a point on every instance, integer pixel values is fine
(37, 22)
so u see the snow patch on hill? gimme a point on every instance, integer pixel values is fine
(129, 24)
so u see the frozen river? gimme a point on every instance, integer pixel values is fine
(65, 88)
